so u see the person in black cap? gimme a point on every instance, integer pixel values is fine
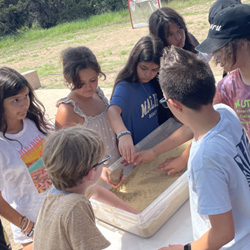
(229, 41)
(218, 6)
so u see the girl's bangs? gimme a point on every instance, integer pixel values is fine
(14, 88)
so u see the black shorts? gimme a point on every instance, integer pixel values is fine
(4, 245)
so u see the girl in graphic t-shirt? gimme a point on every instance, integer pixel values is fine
(23, 179)
(234, 89)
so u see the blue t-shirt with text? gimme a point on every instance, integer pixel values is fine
(139, 104)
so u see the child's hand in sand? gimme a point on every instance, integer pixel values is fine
(144, 156)
(176, 164)
(105, 178)
(173, 165)
(126, 148)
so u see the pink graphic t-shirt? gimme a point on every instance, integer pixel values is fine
(233, 92)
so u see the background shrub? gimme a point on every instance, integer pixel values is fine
(15, 14)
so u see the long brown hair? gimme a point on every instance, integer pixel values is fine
(159, 26)
(12, 83)
(147, 49)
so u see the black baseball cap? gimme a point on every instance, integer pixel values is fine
(231, 22)
(218, 6)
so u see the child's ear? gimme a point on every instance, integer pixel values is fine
(66, 78)
(175, 104)
(90, 176)
(244, 44)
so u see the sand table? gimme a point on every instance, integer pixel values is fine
(146, 183)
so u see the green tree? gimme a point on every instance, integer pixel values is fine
(101, 6)
(46, 12)
(13, 15)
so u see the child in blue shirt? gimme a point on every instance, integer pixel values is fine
(133, 111)
(219, 161)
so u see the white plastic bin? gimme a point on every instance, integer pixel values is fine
(161, 209)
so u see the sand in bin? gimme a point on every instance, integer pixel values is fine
(146, 183)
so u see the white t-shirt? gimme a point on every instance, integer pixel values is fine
(218, 168)
(23, 178)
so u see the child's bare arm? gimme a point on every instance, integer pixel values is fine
(125, 143)
(103, 195)
(106, 179)
(221, 232)
(66, 117)
(10, 214)
(176, 164)
(29, 247)
(180, 136)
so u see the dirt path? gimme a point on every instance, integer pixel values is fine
(111, 45)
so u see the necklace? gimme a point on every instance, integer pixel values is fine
(148, 93)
